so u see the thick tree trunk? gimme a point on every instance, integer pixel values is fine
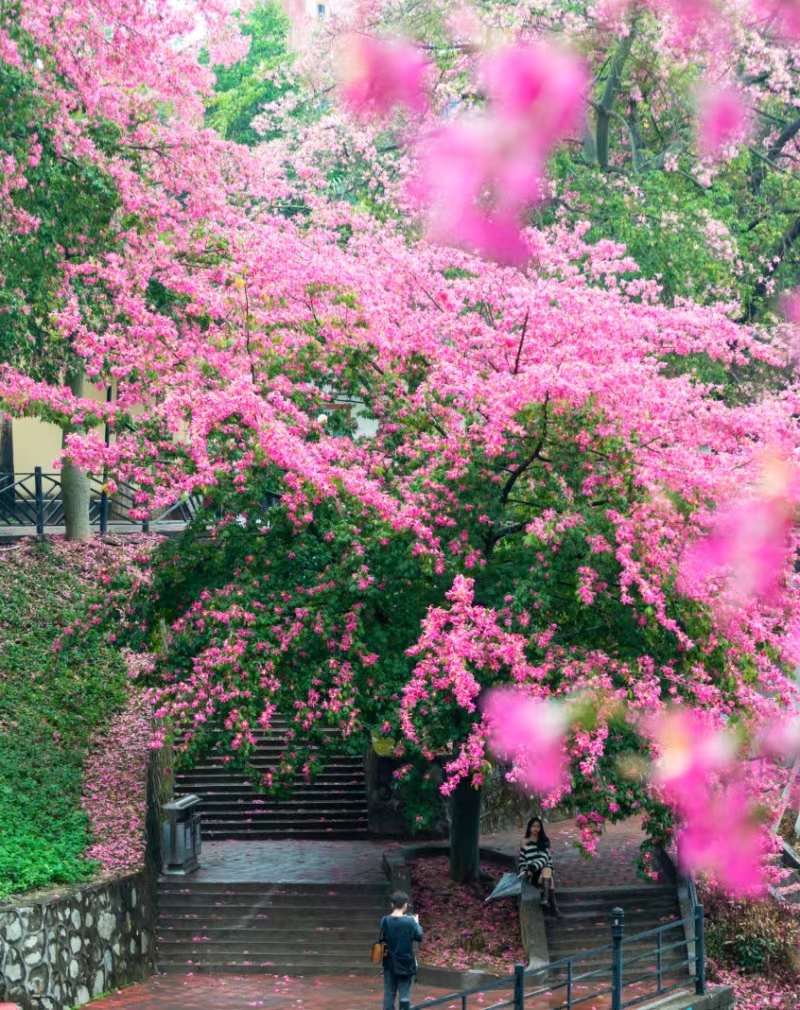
(465, 824)
(604, 108)
(75, 483)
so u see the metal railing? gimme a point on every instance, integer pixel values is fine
(666, 975)
(35, 500)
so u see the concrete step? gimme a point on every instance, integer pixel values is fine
(342, 806)
(239, 832)
(296, 965)
(284, 819)
(244, 935)
(269, 761)
(257, 887)
(340, 793)
(296, 904)
(240, 949)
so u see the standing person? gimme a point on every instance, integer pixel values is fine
(399, 931)
(535, 861)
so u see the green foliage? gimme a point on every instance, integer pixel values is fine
(52, 699)
(756, 937)
(71, 203)
(243, 90)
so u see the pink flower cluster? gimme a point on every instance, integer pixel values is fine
(481, 172)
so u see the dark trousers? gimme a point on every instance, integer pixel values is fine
(393, 984)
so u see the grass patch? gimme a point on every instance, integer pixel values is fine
(60, 681)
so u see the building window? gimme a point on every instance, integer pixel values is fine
(320, 10)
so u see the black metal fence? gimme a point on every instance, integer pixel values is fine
(673, 958)
(35, 500)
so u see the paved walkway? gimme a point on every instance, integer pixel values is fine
(348, 992)
(360, 863)
(293, 862)
(320, 862)
(229, 992)
(615, 862)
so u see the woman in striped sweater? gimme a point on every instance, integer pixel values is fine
(535, 861)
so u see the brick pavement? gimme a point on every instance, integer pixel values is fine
(320, 862)
(292, 862)
(228, 992)
(614, 864)
(349, 992)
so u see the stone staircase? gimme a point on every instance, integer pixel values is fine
(332, 806)
(584, 923)
(277, 929)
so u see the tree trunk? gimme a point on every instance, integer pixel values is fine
(74, 482)
(465, 824)
(606, 104)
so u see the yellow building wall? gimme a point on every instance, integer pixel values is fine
(37, 443)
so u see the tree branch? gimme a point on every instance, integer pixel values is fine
(521, 341)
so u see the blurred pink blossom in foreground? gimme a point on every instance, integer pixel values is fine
(531, 733)
(790, 306)
(749, 544)
(378, 75)
(720, 835)
(689, 751)
(786, 14)
(722, 838)
(481, 173)
(722, 120)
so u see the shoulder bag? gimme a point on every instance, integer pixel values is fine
(379, 948)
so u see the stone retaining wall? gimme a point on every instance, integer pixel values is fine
(68, 948)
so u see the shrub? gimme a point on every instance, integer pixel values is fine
(754, 937)
(60, 682)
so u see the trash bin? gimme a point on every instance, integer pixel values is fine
(181, 836)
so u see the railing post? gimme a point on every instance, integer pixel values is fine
(104, 511)
(39, 500)
(519, 986)
(617, 929)
(659, 961)
(569, 984)
(699, 951)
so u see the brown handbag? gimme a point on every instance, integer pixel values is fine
(379, 948)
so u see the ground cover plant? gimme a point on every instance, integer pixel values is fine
(461, 930)
(59, 691)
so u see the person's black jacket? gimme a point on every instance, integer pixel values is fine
(399, 933)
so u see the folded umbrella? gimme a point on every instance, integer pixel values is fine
(508, 886)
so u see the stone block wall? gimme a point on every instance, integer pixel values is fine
(68, 948)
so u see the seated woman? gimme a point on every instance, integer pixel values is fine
(535, 862)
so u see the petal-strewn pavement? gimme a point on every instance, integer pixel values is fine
(356, 862)
(229, 992)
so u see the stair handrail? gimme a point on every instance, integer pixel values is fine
(615, 949)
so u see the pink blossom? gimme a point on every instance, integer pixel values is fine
(786, 13)
(723, 840)
(689, 750)
(480, 174)
(749, 543)
(539, 90)
(722, 120)
(531, 732)
(379, 75)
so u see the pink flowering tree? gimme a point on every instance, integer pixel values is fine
(92, 170)
(516, 508)
(426, 473)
